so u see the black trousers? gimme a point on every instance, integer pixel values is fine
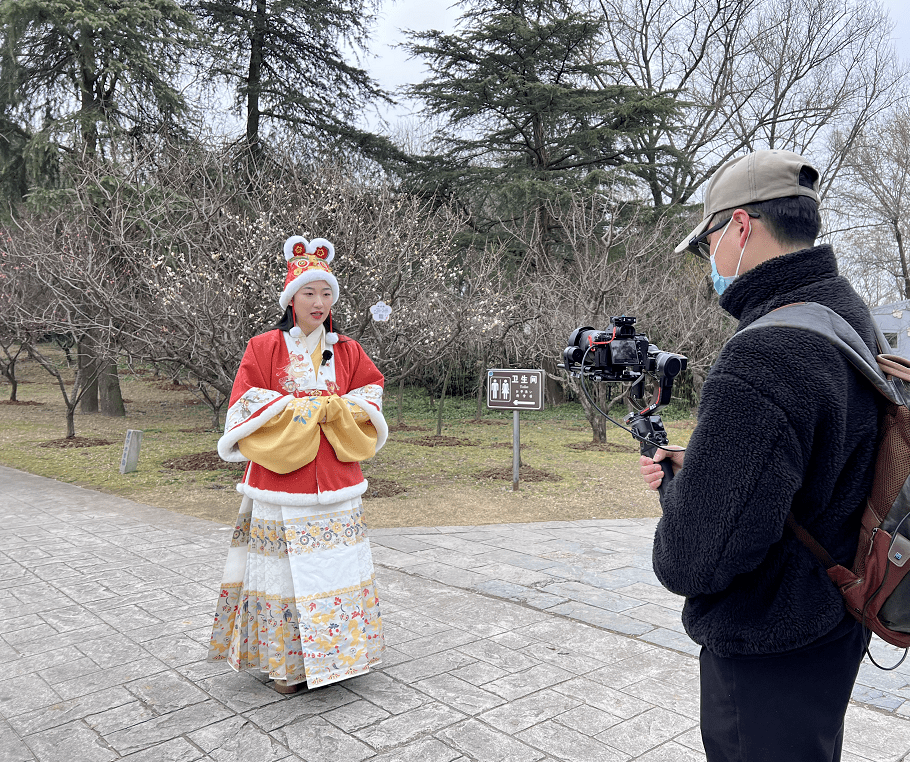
(783, 707)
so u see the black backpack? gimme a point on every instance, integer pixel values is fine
(876, 589)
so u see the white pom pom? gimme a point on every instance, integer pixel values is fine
(322, 243)
(331, 338)
(296, 332)
(289, 246)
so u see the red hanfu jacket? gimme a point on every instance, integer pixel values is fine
(275, 371)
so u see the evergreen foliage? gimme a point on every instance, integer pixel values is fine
(287, 63)
(524, 120)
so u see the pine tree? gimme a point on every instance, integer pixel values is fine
(287, 62)
(524, 121)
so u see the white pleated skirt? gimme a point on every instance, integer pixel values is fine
(298, 599)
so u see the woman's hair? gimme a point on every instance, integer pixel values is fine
(286, 323)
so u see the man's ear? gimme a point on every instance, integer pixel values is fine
(742, 225)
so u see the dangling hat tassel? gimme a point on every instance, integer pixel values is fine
(295, 331)
(331, 337)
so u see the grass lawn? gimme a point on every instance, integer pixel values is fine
(463, 477)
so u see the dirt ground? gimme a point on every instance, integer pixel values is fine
(461, 478)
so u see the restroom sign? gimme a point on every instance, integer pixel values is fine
(510, 389)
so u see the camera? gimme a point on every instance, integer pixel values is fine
(620, 355)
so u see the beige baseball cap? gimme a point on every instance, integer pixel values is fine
(758, 176)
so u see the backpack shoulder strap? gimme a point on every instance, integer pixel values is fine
(887, 372)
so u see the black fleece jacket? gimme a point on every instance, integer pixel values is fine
(785, 422)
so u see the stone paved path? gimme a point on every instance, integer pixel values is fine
(547, 641)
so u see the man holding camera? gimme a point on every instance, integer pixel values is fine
(785, 423)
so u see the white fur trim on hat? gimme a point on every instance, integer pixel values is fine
(309, 276)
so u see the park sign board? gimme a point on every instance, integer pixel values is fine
(514, 389)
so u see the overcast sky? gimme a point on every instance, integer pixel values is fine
(391, 67)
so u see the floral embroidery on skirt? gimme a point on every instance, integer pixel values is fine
(298, 598)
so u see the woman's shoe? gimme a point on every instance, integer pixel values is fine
(281, 686)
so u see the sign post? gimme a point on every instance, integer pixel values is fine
(515, 390)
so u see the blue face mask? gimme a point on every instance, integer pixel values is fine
(722, 282)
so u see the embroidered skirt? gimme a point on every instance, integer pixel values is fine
(298, 599)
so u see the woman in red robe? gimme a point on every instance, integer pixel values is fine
(298, 598)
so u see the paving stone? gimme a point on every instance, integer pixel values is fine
(478, 673)
(21, 695)
(481, 743)
(691, 739)
(176, 650)
(28, 622)
(498, 655)
(166, 692)
(240, 691)
(678, 641)
(401, 542)
(656, 663)
(594, 596)
(159, 729)
(521, 560)
(120, 717)
(870, 735)
(447, 575)
(64, 712)
(564, 743)
(177, 750)
(601, 697)
(450, 557)
(356, 715)
(68, 670)
(62, 743)
(404, 728)
(298, 705)
(520, 684)
(426, 750)
(412, 625)
(528, 711)
(609, 620)
(458, 694)
(380, 689)
(653, 593)
(431, 644)
(587, 719)
(674, 752)
(11, 747)
(108, 678)
(562, 658)
(316, 740)
(237, 739)
(646, 731)
(514, 574)
(682, 700)
(518, 593)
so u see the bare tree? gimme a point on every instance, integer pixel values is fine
(872, 207)
(751, 74)
(623, 268)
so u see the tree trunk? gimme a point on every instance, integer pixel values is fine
(70, 422)
(553, 391)
(401, 401)
(87, 358)
(481, 386)
(254, 78)
(109, 395)
(442, 397)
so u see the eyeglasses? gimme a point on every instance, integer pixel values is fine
(700, 244)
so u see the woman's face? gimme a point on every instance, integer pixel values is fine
(312, 303)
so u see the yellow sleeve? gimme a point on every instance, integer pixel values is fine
(288, 441)
(349, 431)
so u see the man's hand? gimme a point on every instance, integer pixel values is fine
(650, 467)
